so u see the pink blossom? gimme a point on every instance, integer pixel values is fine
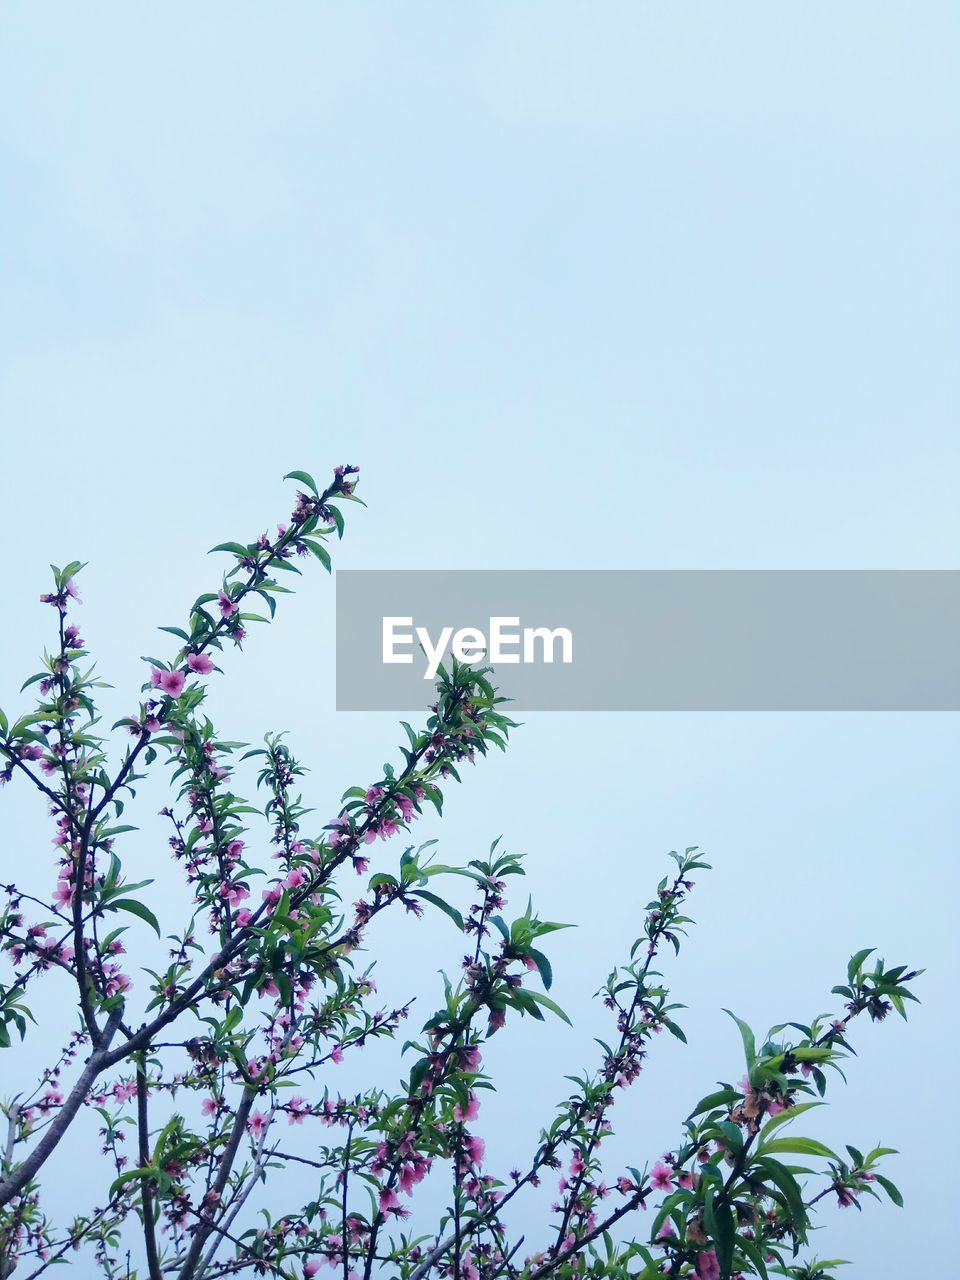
(63, 896)
(388, 1200)
(234, 893)
(227, 607)
(336, 1054)
(209, 1107)
(662, 1177)
(413, 1173)
(170, 682)
(470, 1059)
(708, 1267)
(470, 1112)
(199, 663)
(293, 879)
(257, 1124)
(297, 1109)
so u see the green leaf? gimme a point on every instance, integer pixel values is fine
(726, 1234)
(891, 1190)
(320, 551)
(445, 907)
(499, 923)
(784, 1117)
(749, 1042)
(148, 1171)
(136, 909)
(549, 1004)
(337, 518)
(877, 1152)
(235, 548)
(305, 478)
(754, 1253)
(722, 1098)
(857, 960)
(543, 966)
(798, 1147)
(664, 1212)
(787, 1183)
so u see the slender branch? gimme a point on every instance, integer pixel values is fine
(226, 1164)
(16, 1180)
(13, 1122)
(223, 1229)
(343, 1201)
(143, 1135)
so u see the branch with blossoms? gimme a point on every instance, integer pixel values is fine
(732, 1206)
(212, 1071)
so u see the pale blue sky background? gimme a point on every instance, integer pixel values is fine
(609, 285)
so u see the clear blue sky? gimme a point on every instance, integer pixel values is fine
(578, 285)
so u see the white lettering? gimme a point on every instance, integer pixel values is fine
(391, 639)
(499, 637)
(549, 638)
(469, 645)
(434, 653)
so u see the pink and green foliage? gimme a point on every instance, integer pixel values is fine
(210, 1061)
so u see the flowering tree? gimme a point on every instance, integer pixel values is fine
(211, 1058)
